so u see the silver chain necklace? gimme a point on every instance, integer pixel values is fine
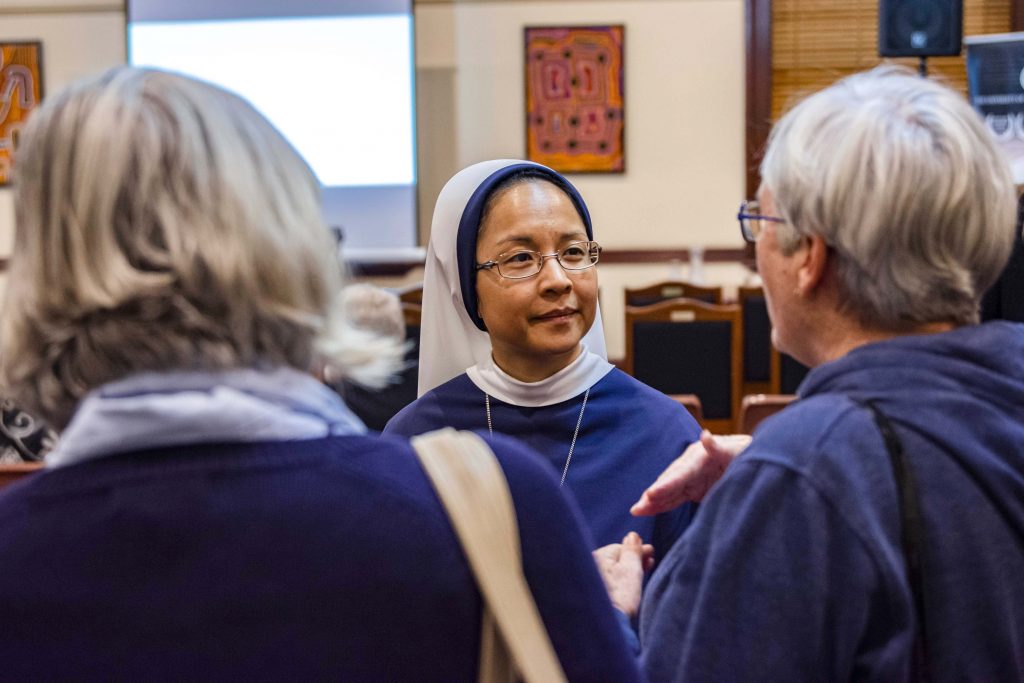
(576, 432)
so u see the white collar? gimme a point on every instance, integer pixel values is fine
(570, 381)
(449, 341)
(158, 410)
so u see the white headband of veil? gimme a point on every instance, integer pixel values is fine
(450, 340)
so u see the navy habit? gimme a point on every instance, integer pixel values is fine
(630, 433)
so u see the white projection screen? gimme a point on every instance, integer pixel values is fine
(335, 76)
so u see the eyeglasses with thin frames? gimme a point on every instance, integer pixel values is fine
(752, 220)
(521, 264)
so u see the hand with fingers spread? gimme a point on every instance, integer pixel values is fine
(689, 478)
(622, 566)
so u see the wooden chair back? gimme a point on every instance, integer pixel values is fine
(683, 346)
(765, 370)
(791, 373)
(412, 314)
(411, 299)
(413, 294)
(692, 404)
(758, 407)
(760, 359)
(13, 472)
(672, 289)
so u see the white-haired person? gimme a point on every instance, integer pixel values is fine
(377, 310)
(874, 530)
(511, 342)
(212, 511)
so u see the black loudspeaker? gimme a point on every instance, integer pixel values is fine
(920, 28)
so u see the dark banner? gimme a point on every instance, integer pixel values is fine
(995, 83)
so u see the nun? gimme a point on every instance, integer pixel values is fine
(512, 342)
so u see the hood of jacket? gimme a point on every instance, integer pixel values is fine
(962, 391)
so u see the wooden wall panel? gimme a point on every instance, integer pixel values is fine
(810, 44)
(816, 42)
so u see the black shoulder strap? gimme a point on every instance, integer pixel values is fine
(912, 537)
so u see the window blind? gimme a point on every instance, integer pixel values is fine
(816, 42)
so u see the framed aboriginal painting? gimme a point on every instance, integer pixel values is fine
(574, 98)
(21, 88)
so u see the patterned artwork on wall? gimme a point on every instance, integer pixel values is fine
(574, 98)
(21, 88)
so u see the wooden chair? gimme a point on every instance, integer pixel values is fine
(411, 298)
(683, 346)
(765, 370)
(757, 407)
(15, 471)
(759, 356)
(692, 403)
(412, 313)
(672, 289)
(413, 294)
(791, 373)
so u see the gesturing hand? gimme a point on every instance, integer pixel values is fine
(622, 566)
(692, 474)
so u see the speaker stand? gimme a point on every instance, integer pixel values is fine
(922, 67)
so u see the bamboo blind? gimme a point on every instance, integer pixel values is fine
(816, 42)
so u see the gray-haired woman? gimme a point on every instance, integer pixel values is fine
(212, 512)
(874, 530)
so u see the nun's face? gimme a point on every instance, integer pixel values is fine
(536, 323)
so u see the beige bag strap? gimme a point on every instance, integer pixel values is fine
(474, 492)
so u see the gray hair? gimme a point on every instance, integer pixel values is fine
(164, 224)
(901, 179)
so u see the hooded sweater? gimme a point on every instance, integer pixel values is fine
(793, 569)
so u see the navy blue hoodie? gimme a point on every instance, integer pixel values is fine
(793, 569)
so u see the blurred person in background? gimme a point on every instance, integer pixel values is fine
(379, 311)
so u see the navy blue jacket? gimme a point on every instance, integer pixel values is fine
(792, 569)
(307, 560)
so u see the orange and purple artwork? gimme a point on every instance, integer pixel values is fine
(21, 88)
(574, 98)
